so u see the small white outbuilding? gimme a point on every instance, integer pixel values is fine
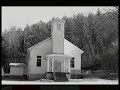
(17, 69)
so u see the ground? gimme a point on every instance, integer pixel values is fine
(71, 81)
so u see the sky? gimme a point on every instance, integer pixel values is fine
(21, 16)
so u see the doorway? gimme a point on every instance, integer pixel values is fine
(57, 66)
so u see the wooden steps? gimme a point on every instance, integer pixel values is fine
(59, 76)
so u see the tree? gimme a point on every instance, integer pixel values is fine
(95, 34)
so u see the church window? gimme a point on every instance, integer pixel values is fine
(72, 63)
(58, 26)
(39, 61)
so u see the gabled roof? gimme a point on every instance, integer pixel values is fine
(65, 40)
(40, 43)
(70, 46)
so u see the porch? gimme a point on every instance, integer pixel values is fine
(58, 63)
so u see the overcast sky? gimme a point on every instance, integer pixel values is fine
(21, 16)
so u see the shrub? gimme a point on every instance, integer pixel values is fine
(110, 62)
(76, 76)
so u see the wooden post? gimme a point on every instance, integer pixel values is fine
(47, 64)
(52, 64)
(2, 72)
(69, 64)
(64, 65)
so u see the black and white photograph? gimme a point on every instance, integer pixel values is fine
(45, 45)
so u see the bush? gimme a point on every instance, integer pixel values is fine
(76, 76)
(102, 74)
(110, 62)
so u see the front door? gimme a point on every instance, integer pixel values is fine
(57, 66)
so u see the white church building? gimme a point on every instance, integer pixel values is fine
(55, 54)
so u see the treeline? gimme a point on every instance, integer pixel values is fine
(96, 34)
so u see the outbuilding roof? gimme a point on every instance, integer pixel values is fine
(17, 64)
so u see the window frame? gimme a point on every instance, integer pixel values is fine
(38, 63)
(59, 26)
(72, 63)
